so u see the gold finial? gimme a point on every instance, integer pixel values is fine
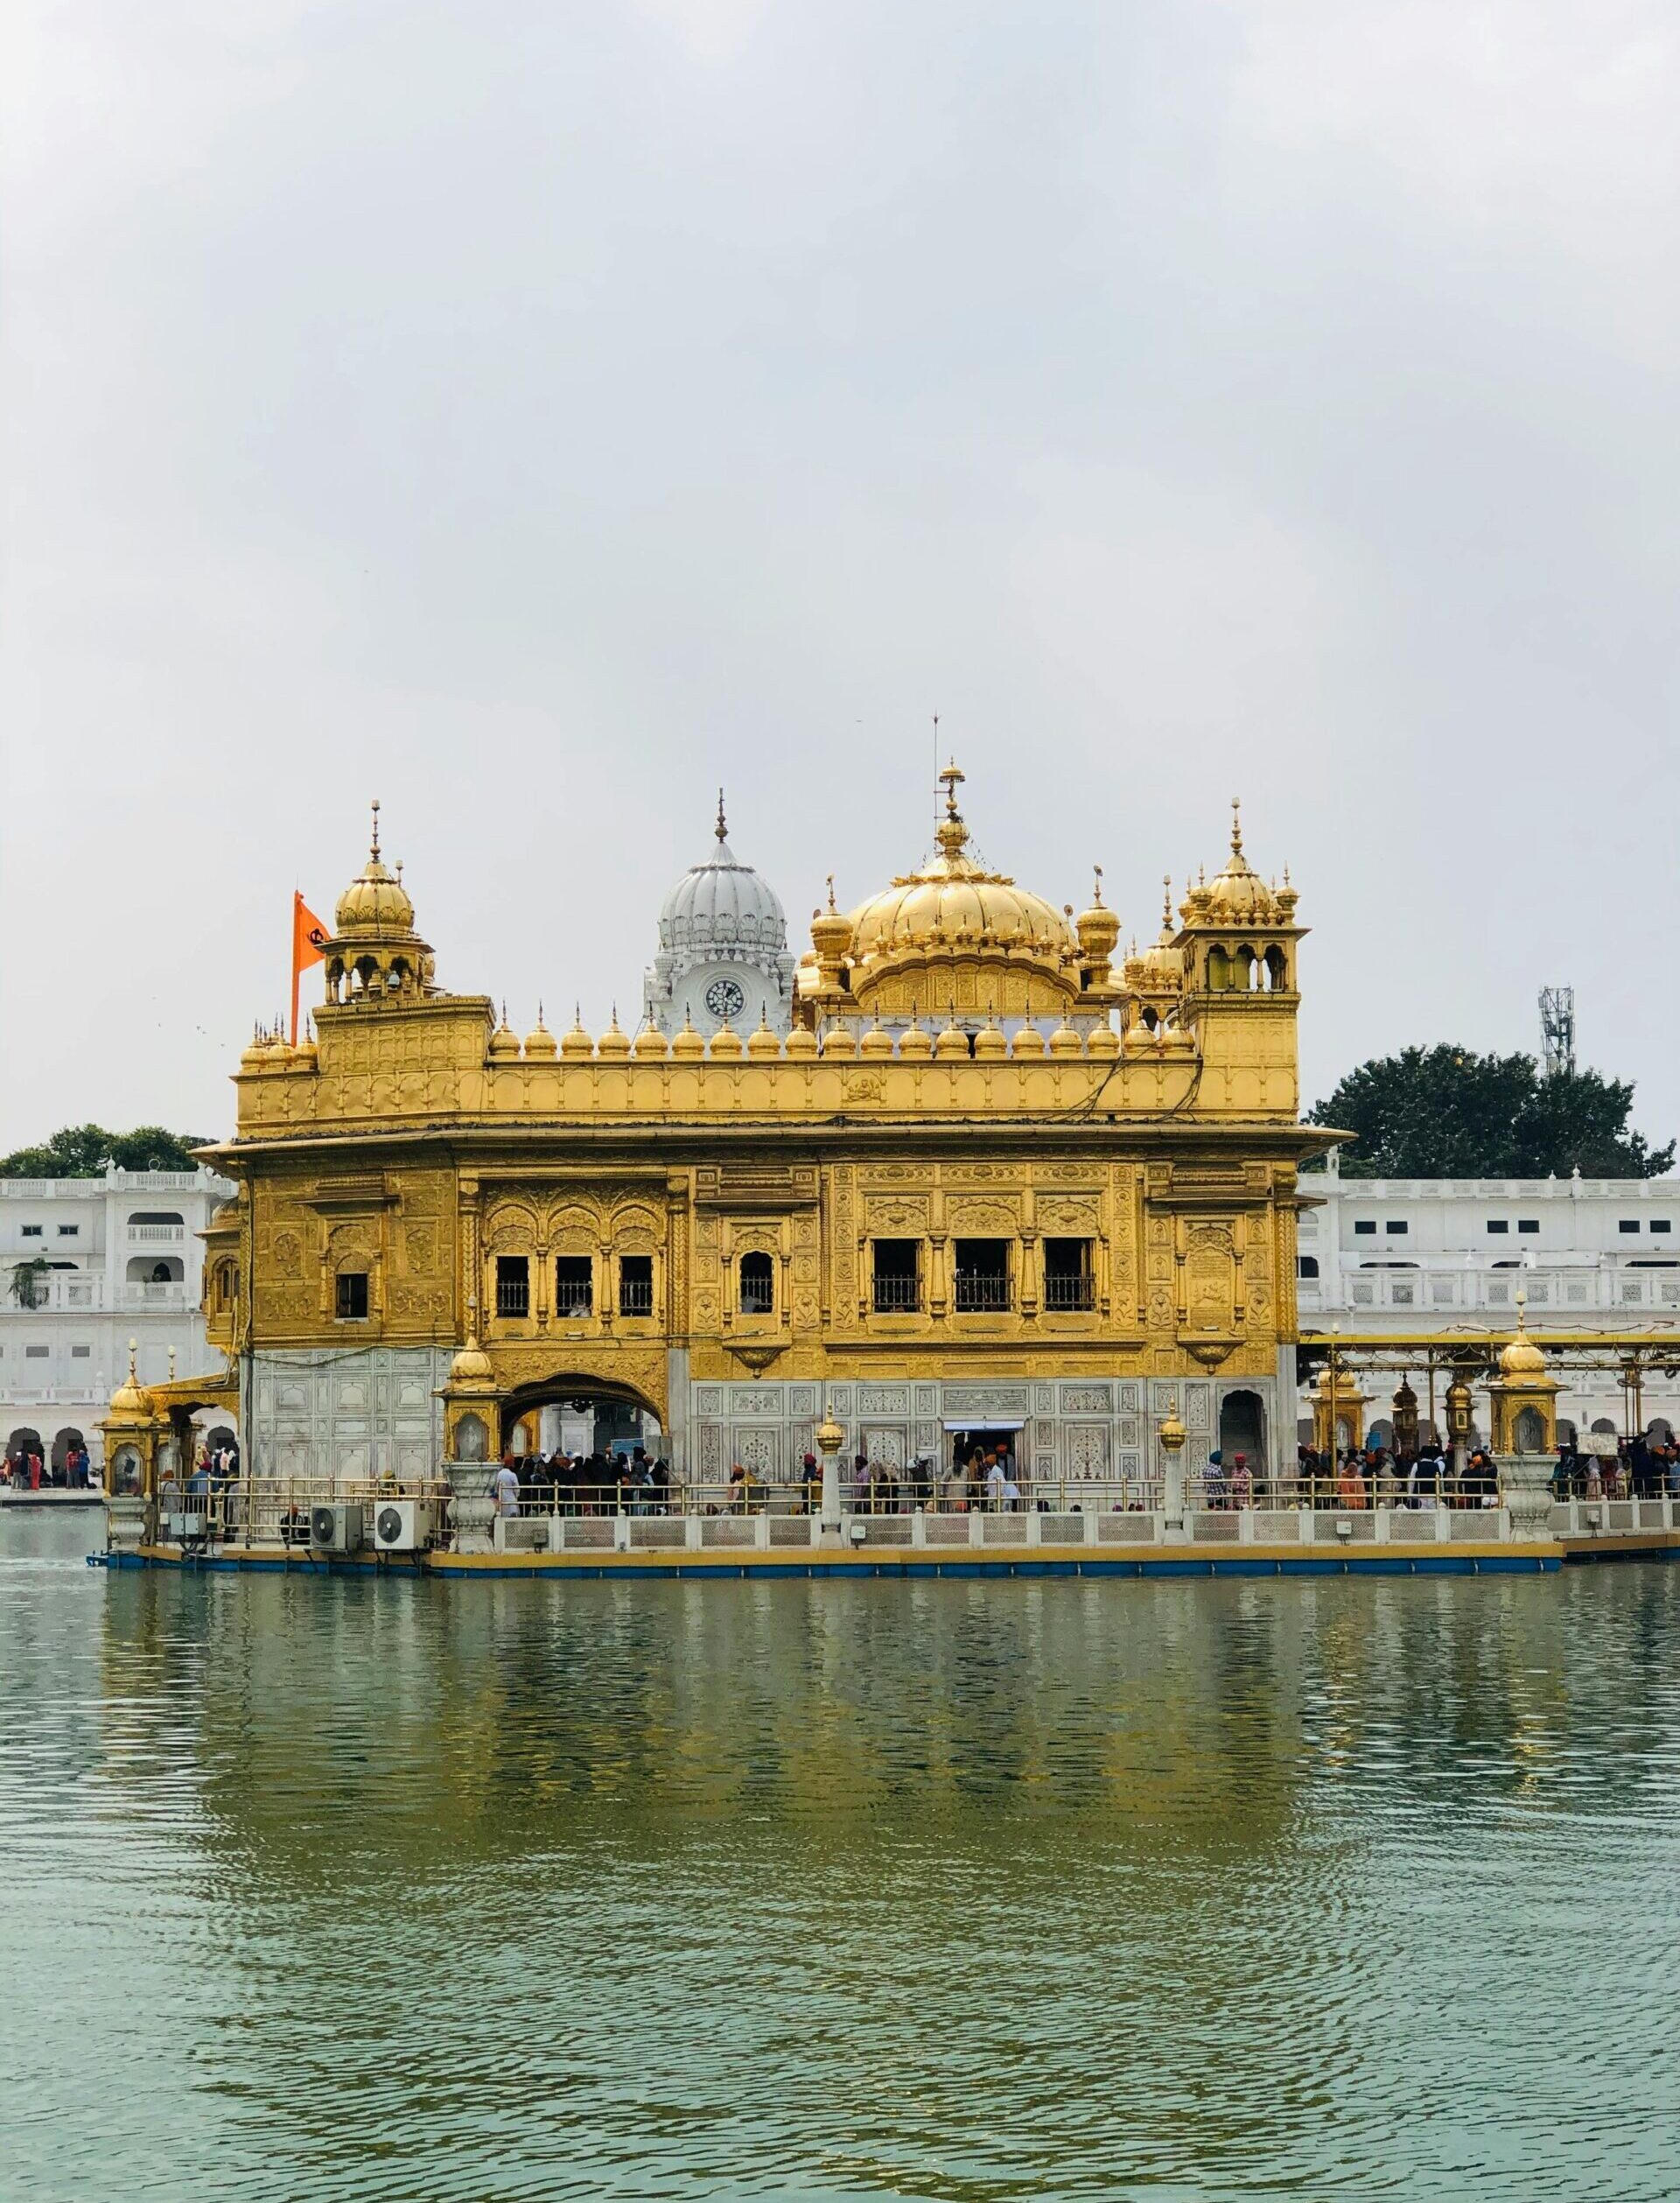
(723, 828)
(374, 854)
(1096, 890)
(134, 1348)
(1166, 899)
(1237, 826)
(172, 1364)
(953, 777)
(1521, 1311)
(830, 891)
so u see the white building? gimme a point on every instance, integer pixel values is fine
(86, 1265)
(1415, 1254)
(723, 950)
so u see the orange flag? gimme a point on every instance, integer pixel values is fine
(309, 940)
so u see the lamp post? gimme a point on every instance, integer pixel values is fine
(1172, 1434)
(830, 1439)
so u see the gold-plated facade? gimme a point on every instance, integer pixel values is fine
(735, 1235)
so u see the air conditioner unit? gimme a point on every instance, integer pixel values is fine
(335, 1526)
(404, 1525)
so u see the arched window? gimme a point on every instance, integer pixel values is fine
(472, 1436)
(1243, 969)
(758, 1285)
(1530, 1431)
(1219, 971)
(1277, 970)
(1306, 1266)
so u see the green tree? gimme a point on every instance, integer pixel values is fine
(83, 1151)
(28, 1279)
(1447, 1113)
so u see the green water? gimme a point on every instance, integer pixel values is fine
(1171, 1890)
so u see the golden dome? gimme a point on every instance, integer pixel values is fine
(1028, 1040)
(952, 1043)
(725, 1046)
(801, 1043)
(1522, 1357)
(376, 903)
(650, 1044)
(1098, 927)
(577, 1047)
(687, 1046)
(877, 1041)
(615, 1042)
(916, 1042)
(471, 1370)
(539, 1044)
(762, 1043)
(1239, 895)
(989, 1041)
(1065, 1041)
(949, 910)
(504, 1041)
(830, 931)
(128, 1398)
(1159, 970)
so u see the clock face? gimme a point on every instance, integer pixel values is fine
(725, 999)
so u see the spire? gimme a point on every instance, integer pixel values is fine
(372, 854)
(952, 834)
(1096, 889)
(723, 824)
(1237, 827)
(1166, 904)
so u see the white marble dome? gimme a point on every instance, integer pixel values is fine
(722, 948)
(722, 903)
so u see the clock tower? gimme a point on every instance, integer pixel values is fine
(723, 949)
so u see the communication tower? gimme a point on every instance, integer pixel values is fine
(1557, 1028)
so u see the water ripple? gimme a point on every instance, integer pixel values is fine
(1177, 1890)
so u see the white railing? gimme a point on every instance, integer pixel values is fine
(1557, 1294)
(57, 1291)
(174, 1295)
(157, 1234)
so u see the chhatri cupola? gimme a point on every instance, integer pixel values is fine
(1239, 933)
(954, 942)
(723, 949)
(374, 951)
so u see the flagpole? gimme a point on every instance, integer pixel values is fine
(296, 969)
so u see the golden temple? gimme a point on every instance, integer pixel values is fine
(987, 1179)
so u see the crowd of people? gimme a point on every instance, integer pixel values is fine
(28, 1469)
(561, 1483)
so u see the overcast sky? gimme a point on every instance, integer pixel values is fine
(534, 414)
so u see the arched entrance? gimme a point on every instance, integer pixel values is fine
(65, 1442)
(24, 1442)
(577, 1414)
(1242, 1428)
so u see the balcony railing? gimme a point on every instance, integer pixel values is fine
(635, 1297)
(981, 1292)
(513, 1296)
(897, 1295)
(154, 1235)
(1070, 1293)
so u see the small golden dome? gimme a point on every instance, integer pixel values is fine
(1103, 1039)
(687, 1046)
(1027, 1042)
(1159, 970)
(650, 1044)
(989, 1043)
(951, 1044)
(762, 1044)
(615, 1042)
(256, 1056)
(877, 1041)
(725, 1046)
(830, 931)
(837, 1041)
(577, 1047)
(541, 1047)
(1098, 927)
(471, 1370)
(129, 1399)
(504, 1041)
(802, 1042)
(1239, 895)
(376, 903)
(1065, 1041)
(916, 1042)
(1522, 1357)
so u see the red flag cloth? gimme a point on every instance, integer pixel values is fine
(309, 940)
